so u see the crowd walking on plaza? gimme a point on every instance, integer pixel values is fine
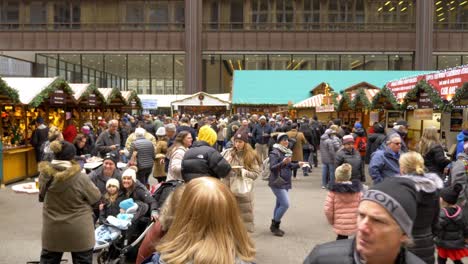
(202, 208)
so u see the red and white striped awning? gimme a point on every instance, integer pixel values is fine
(370, 93)
(313, 101)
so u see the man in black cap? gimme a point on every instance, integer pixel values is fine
(385, 220)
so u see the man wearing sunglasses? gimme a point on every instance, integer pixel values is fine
(384, 162)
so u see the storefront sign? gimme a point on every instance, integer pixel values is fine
(325, 108)
(92, 100)
(150, 104)
(424, 101)
(423, 114)
(401, 87)
(446, 82)
(133, 103)
(57, 97)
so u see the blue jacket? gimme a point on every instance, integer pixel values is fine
(383, 164)
(279, 169)
(258, 131)
(461, 137)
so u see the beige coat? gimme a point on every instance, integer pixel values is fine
(300, 141)
(161, 150)
(175, 164)
(246, 201)
(68, 224)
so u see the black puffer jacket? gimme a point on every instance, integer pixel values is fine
(435, 160)
(343, 252)
(141, 196)
(451, 230)
(203, 160)
(374, 141)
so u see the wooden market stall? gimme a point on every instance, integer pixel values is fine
(89, 102)
(322, 103)
(362, 94)
(203, 103)
(455, 115)
(344, 110)
(114, 102)
(134, 104)
(50, 98)
(385, 105)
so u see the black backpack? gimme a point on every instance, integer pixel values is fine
(292, 142)
(164, 190)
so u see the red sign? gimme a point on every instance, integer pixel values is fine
(400, 87)
(448, 81)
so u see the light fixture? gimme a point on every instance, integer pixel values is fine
(438, 9)
(387, 3)
(451, 9)
(464, 2)
(438, 2)
(441, 14)
(391, 9)
(442, 19)
(239, 64)
(380, 9)
(401, 2)
(404, 9)
(451, 2)
(231, 65)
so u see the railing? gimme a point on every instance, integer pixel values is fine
(438, 26)
(309, 26)
(93, 27)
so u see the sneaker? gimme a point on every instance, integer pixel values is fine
(323, 187)
(306, 174)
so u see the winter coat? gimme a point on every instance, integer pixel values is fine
(203, 160)
(174, 171)
(374, 141)
(435, 160)
(428, 187)
(354, 159)
(245, 201)
(99, 180)
(316, 133)
(161, 151)
(383, 164)
(404, 148)
(459, 175)
(329, 145)
(298, 154)
(341, 207)
(110, 209)
(67, 216)
(133, 137)
(344, 252)
(149, 127)
(69, 133)
(451, 230)
(145, 152)
(229, 132)
(140, 194)
(39, 136)
(279, 169)
(461, 138)
(258, 132)
(105, 141)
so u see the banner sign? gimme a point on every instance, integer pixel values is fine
(423, 114)
(325, 108)
(149, 104)
(402, 86)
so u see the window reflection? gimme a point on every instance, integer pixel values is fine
(352, 62)
(230, 63)
(400, 62)
(448, 61)
(179, 74)
(376, 62)
(303, 62)
(328, 62)
(162, 74)
(280, 62)
(256, 62)
(211, 73)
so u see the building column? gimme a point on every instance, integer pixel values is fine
(193, 46)
(424, 34)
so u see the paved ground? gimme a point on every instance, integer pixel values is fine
(305, 224)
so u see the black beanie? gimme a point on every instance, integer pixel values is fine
(63, 150)
(450, 194)
(398, 196)
(112, 157)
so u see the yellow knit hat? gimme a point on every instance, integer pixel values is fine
(208, 135)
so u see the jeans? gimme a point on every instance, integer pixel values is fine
(328, 174)
(50, 257)
(282, 203)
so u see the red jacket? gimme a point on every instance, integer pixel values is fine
(69, 133)
(150, 241)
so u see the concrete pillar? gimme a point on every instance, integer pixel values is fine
(193, 46)
(424, 34)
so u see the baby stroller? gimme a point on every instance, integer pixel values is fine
(125, 245)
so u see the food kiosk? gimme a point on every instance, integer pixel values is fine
(89, 103)
(321, 104)
(202, 103)
(361, 95)
(114, 102)
(345, 113)
(134, 104)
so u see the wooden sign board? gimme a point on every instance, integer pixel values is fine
(58, 97)
(423, 114)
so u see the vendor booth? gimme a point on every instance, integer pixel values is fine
(386, 108)
(203, 103)
(50, 98)
(322, 104)
(89, 102)
(361, 95)
(114, 102)
(344, 110)
(133, 102)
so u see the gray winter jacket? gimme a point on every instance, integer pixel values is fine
(354, 159)
(458, 175)
(329, 145)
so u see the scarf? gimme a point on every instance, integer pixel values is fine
(283, 149)
(62, 163)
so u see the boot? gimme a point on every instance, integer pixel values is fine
(274, 228)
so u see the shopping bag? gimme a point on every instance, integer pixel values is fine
(241, 185)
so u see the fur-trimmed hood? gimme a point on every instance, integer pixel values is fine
(346, 187)
(429, 182)
(61, 175)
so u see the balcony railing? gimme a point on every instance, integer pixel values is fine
(93, 27)
(309, 26)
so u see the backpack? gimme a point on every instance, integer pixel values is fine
(362, 144)
(292, 142)
(164, 190)
(266, 169)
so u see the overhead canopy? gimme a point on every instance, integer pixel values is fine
(86, 94)
(112, 96)
(34, 91)
(7, 94)
(132, 99)
(281, 87)
(203, 99)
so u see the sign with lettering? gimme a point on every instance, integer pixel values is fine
(424, 101)
(149, 104)
(446, 82)
(92, 100)
(58, 97)
(401, 87)
(325, 108)
(423, 114)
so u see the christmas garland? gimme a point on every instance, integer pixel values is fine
(344, 99)
(335, 99)
(115, 93)
(388, 95)
(424, 86)
(44, 94)
(10, 92)
(92, 89)
(360, 97)
(460, 94)
(132, 96)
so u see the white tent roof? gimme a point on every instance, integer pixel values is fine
(165, 100)
(28, 87)
(78, 89)
(208, 100)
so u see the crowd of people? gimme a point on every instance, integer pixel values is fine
(415, 197)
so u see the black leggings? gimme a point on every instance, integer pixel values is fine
(441, 260)
(50, 257)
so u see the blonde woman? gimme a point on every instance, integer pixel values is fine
(427, 186)
(217, 237)
(245, 162)
(432, 151)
